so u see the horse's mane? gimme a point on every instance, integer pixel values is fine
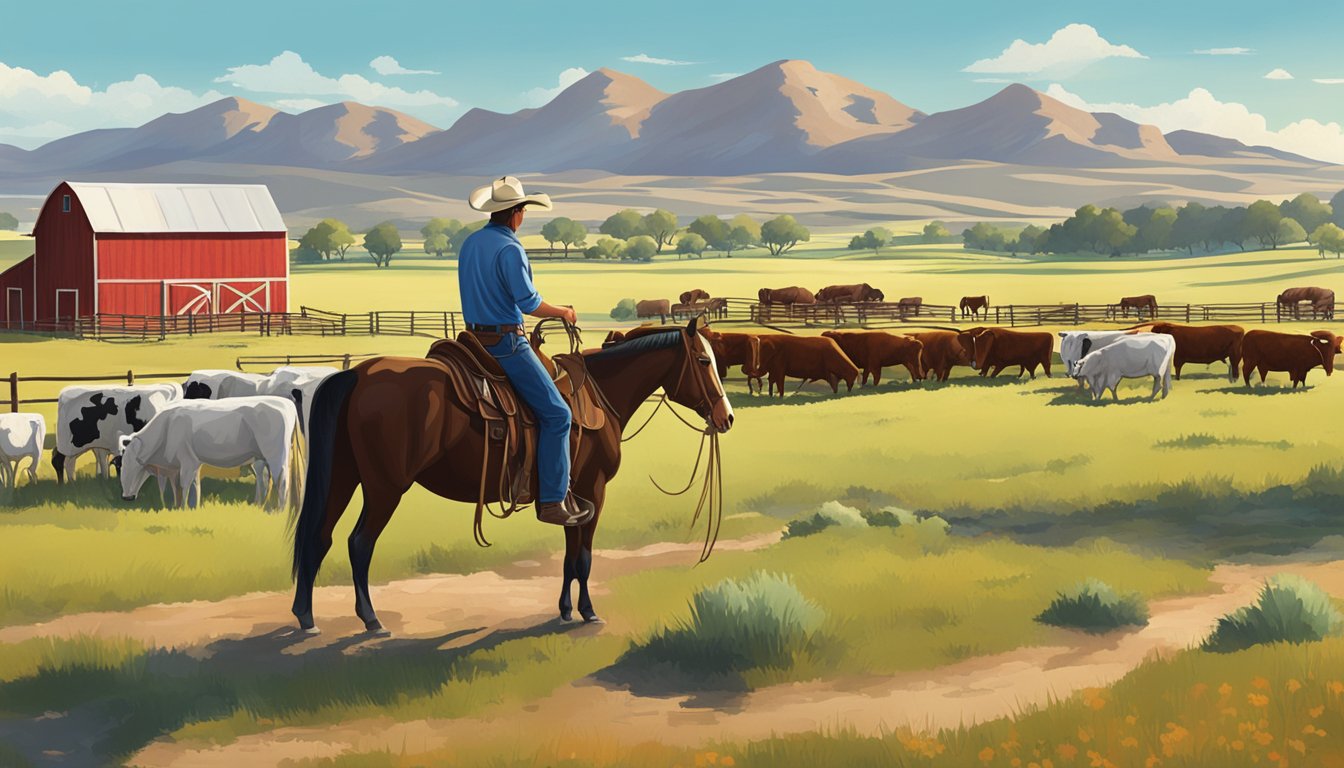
(634, 345)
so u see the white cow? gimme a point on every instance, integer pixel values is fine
(21, 435)
(299, 384)
(1075, 345)
(226, 433)
(215, 384)
(1129, 358)
(95, 418)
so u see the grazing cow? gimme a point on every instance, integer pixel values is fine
(999, 348)
(742, 349)
(1294, 353)
(849, 294)
(298, 384)
(189, 434)
(941, 351)
(717, 308)
(871, 350)
(1205, 344)
(94, 418)
(1075, 345)
(791, 295)
(659, 308)
(973, 305)
(811, 358)
(21, 436)
(1322, 303)
(1140, 304)
(910, 305)
(215, 384)
(1130, 357)
(694, 295)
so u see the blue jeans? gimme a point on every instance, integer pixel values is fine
(534, 385)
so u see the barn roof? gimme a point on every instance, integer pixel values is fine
(156, 208)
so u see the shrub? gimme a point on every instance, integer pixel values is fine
(304, 255)
(624, 310)
(829, 514)
(1290, 610)
(1094, 607)
(929, 532)
(761, 622)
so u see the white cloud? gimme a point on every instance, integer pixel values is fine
(289, 74)
(1237, 51)
(1278, 74)
(537, 97)
(1069, 49)
(386, 65)
(721, 76)
(298, 105)
(1202, 111)
(1328, 80)
(644, 58)
(37, 108)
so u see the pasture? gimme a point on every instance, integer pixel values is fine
(1041, 488)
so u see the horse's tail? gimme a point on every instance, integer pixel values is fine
(323, 421)
(298, 464)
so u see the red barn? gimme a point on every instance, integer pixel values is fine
(150, 249)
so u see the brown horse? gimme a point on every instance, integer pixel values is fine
(392, 422)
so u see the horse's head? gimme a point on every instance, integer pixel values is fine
(697, 384)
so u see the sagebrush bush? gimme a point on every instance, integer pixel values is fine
(624, 310)
(828, 514)
(1093, 606)
(1290, 610)
(761, 622)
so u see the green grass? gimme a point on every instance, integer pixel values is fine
(1093, 606)
(1290, 610)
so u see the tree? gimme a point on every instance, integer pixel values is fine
(984, 237)
(624, 310)
(329, 237)
(1290, 231)
(1262, 222)
(935, 232)
(1337, 208)
(714, 230)
(381, 242)
(661, 225)
(874, 238)
(460, 236)
(1328, 237)
(782, 233)
(7, 221)
(1307, 210)
(639, 248)
(751, 226)
(437, 243)
(304, 255)
(566, 231)
(691, 244)
(606, 248)
(1031, 239)
(623, 225)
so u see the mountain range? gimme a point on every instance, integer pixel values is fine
(784, 117)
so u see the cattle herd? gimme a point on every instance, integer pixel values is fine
(169, 431)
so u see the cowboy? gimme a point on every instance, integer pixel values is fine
(495, 280)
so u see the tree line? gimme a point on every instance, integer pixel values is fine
(627, 235)
(1113, 232)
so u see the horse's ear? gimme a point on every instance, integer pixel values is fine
(695, 325)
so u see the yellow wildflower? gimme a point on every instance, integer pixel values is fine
(1257, 700)
(727, 760)
(1298, 744)
(1261, 683)
(1315, 712)
(1151, 762)
(1198, 690)
(1131, 719)
(1066, 751)
(986, 754)
(1016, 762)
(1229, 711)
(1238, 744)
(1334, 686)
(1293, 686)
(1225, 689)
(1047, 763)
(1129, 741)
(1262, 738)
(1084, 735)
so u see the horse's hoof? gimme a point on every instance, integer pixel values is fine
(311, 631)
(593, 618)
(376, 629)
(566, 616)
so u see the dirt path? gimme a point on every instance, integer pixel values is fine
(967, 692)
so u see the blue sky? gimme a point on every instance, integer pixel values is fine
(129, 61)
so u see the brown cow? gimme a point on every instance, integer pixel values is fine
(694, 295)
(999, 348)
(1140, 304)
(1322, 303)
(811, 358)
(910, 305)
(1204, 344)
(941, 351)
(1294, 353)
(791, 295)
(742, 349)
(717, 308)
(659, 308)
(971, 305)
(850, 294)
(871, 350)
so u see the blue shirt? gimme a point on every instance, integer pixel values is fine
(495, 278)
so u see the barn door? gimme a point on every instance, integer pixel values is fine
(245, 296)
(67, 308)
(190, 298)
(14, 308)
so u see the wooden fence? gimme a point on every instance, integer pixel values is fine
(273, 361)
(15, 400)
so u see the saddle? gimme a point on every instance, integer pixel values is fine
(480, 386)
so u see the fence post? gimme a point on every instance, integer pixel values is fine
(412, 322)
(14, 392)
(1012, 321)
(130, 378)
(345, 363)
(452, 319)
(1262, 313)
(342, 323)
(1076, 321)
(1187, 313)
(373, 324)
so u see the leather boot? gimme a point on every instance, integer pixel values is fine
(570, 512)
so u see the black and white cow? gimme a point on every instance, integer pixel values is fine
(298, 384)
(21, 436)
(94, 418)
(216, 384)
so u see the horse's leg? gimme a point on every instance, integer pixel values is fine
(584, 563)
(573, 543)
(379, 504)
(344, 480)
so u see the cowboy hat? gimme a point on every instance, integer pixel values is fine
(504, 193)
